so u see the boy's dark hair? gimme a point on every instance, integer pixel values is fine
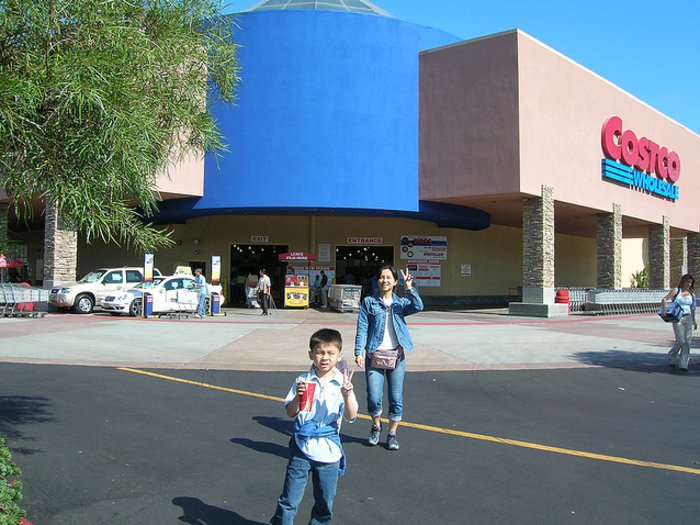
(327, 336)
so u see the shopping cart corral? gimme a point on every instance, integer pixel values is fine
(345, 297)
(623, 301)
(17, 300)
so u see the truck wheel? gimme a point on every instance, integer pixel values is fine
(84, 304)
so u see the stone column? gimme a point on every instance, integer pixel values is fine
(60, 248)
(660, 255)
(694, 254)
(538, 258)
(609, 248)
(538, 248)
(679, 259)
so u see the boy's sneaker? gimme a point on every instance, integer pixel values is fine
(391, 442)
(374, 434)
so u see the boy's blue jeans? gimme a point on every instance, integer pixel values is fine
(325, 481)
(375, 388)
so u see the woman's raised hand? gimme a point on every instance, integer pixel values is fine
(407, 279)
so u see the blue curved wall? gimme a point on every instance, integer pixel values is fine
(327, 116)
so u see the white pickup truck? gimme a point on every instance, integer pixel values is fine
(83, 295)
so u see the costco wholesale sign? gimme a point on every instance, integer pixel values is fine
(637, 160)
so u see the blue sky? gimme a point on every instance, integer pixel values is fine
(648, 48)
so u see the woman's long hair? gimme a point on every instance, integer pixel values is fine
(687, 277)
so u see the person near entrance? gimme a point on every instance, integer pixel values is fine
(251, 290)
(324, 290)
(381, 341)
(316, 290)
(264, 286)
(201, 283)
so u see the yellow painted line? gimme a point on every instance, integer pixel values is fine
(204, 385)
(439, 430)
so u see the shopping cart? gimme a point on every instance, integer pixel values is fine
(19, 300)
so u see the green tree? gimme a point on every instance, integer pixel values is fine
(98, 97)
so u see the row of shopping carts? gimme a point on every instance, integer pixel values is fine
(624, 301)
(17, 300)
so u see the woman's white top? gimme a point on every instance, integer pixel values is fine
(390, 340)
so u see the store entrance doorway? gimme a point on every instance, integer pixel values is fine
(358, 264)
(251, 258)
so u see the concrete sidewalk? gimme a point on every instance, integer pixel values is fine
(245, 340)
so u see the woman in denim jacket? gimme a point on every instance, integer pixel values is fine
(679, 354)
(381, 326)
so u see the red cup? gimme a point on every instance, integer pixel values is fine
(306, 400)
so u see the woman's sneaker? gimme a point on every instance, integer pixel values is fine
(391, 442)
(374, 434)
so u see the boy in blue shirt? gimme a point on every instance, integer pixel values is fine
(317, 400)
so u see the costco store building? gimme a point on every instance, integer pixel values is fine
(494, 167)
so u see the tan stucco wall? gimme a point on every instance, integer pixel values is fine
(185, 179)
(574, 261)
(562, 110)
(495, 254)
(634, 259)
(505, 114)
(469, 119)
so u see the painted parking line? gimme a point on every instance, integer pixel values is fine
(439, 430)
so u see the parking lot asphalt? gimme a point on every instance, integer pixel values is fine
(508, 420)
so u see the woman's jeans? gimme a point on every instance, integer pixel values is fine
(325, 482)
(679, 355)
(375, 388)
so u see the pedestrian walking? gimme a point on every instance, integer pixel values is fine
(201, 283)
(679, 354)
(264, 286)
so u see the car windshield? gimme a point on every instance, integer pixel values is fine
(149, 285)
(93, 276)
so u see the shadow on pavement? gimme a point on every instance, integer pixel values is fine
(196, 512)
(649, 362)
(264, 447)
(22, 410)
(283, 426)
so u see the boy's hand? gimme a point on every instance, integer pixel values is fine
(347, 387)
(301, 388)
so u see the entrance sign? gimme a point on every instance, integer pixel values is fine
(365, 240)
(639, 159)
